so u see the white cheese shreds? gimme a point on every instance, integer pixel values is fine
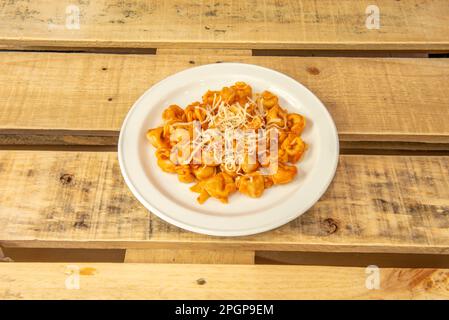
(227, 118)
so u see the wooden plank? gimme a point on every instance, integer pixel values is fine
(371, 100)
(78, 199)
(172, 281)
(189, 256)
(248, 24)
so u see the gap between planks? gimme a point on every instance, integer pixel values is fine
(348, 259)
(241, 52)
(294, 53)
(365, 148)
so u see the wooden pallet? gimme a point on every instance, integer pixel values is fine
(64, 94)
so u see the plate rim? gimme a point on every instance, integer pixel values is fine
(209, 231)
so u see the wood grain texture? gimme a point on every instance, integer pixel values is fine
(250, 24)
(79, 199)
(173, 281)
(189, 256)
(58, 98)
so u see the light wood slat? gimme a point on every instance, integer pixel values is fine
(387, 204)
(189, 256)
(271, 24)
(172, 281)
(57, 98)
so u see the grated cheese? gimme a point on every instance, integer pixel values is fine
(227, 117)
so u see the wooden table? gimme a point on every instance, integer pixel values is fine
(64, 93)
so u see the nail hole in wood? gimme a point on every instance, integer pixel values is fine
(80, 222)
(329, 226)
(201, 281)
(66, 178)
(313, 71)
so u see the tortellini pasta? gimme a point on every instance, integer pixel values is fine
(252, 184)
(268, 100)
(195, 111)
(233, 107)
(209, 97)
(293, 148)
(156, 137)
(185, 173)
(284, 174)
(276, 116)
(228, 95)
(242, 92)
(163, 160)
(174, 113)
(202, 172)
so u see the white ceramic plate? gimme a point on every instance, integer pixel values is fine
(172, 201)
